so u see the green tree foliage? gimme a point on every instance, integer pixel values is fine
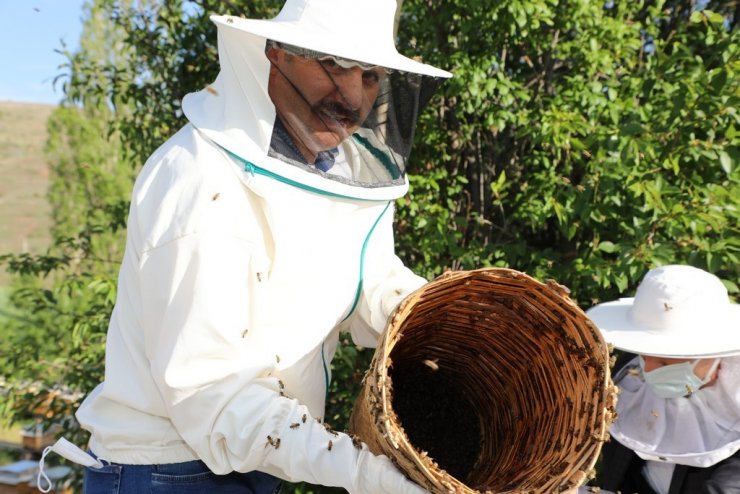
(54, 352)
(578, 140)
(582, 141)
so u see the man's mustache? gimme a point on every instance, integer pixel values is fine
(338, 112)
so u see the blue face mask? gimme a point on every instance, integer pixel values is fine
(676, 380)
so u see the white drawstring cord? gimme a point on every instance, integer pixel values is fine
(69, 451)
(42, 474)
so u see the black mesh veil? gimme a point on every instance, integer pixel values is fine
(350, 121)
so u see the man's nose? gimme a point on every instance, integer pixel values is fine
(350, 87)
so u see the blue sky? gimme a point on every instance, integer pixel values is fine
(30, 31)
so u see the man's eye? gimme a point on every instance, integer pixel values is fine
(371, 76)
(330, 64)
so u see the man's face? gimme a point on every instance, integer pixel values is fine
(320, 102)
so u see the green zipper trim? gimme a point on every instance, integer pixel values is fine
(326, 375)
(362, 261)
(256, 170)
(358, 293)
(389, 165)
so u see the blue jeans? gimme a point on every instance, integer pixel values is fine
(191, 477)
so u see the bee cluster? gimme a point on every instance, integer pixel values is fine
(489, 380)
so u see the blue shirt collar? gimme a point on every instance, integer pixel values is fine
(282, 145)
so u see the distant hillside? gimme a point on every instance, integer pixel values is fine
(24, 211)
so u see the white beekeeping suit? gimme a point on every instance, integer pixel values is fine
(245, 258)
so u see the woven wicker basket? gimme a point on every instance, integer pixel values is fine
(488, 381)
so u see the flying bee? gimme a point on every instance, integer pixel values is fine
(295, 425)
(331, 445)
(212, 90)
(432, 364)
(215, 196)
(303, 419)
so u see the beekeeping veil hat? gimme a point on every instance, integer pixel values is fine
(340, 90)
(678, 311)
(682, 312)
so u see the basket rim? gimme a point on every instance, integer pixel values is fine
(389, 426)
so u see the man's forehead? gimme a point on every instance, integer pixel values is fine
(317, 55)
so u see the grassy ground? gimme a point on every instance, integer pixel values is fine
(24, 211)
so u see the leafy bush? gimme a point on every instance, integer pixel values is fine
(579, 141)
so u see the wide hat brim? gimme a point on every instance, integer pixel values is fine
(293, 34)
(714, 335)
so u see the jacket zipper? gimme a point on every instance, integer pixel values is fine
(253, 169)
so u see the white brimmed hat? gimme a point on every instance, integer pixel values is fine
(357, 30)
(678, 311)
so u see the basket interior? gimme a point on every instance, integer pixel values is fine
(498, 386)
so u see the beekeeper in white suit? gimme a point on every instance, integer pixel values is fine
(678, 415)
(256, 234)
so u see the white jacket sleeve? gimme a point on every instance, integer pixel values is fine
(386, 282)
(212, 380)
(312, 453)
